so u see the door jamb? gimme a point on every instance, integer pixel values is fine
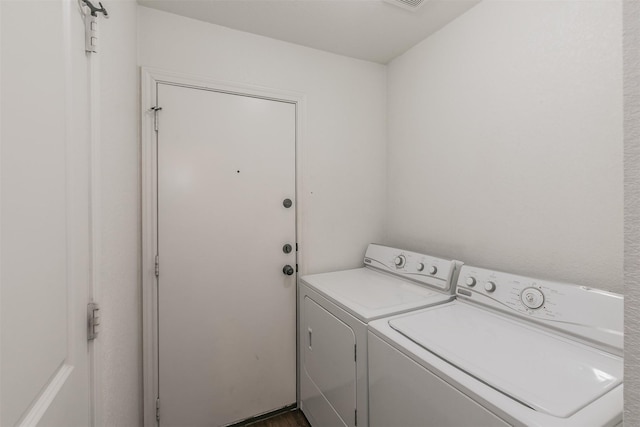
(150, 77)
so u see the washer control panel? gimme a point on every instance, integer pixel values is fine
(591, 313)
(437, 272)
(521, 294)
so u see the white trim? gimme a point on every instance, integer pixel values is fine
(95, 229)
(69, 179)
(149, 245)
(77, 298)
(0, 193)
(150, 77)
(94, 348)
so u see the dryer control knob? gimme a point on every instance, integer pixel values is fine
(420, 266)
(471, 281)
(489, 286)
(433, 269)
(400, 261)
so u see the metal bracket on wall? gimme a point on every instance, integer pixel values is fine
(91, 24)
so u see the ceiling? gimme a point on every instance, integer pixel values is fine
(366, 29)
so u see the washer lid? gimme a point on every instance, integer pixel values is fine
(368, 294)
(545, 371)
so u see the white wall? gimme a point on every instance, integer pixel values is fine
(117, 227)
(343, 165)
(632, 212)
(505, 141)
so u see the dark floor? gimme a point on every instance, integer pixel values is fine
(293, 418)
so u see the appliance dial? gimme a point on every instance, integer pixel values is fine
(420, 266)
(489, 286)
(400, 261)
(471, 281)
(532, 298)
(433, 269)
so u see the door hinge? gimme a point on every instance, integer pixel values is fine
(296, 247)
(355, 352)
(158, 409)
(296, 268)
(91, 25)
(93, 320)
(157, 268)
(155, 116)
(355, 422)
(90, 33)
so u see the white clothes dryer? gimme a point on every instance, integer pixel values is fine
(335, 309)
(510, 350)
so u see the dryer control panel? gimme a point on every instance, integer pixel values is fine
(436, 272)
(591, 314)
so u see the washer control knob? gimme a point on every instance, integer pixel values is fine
(532, 298)
(471, 281)
(433, 269)
(489, 286)
(420, 266)
(400, 261)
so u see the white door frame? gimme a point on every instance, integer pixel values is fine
(150, 77)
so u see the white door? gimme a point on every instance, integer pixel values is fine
(44, 228)
(227, 311)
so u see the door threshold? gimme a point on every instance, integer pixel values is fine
(252, 420)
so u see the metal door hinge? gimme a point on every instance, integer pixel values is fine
(296, 247)
(91, 25)
(157, 268)
(355, 422)
(296, 268)
(90, 33)
(158, 409)
(93, 320)
(155, 116)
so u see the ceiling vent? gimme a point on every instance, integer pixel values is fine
(406, 4)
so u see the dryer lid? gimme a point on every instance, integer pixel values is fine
(368, 294)
(540, 369)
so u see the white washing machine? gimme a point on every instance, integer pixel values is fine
(334, 311)
(509, 350)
